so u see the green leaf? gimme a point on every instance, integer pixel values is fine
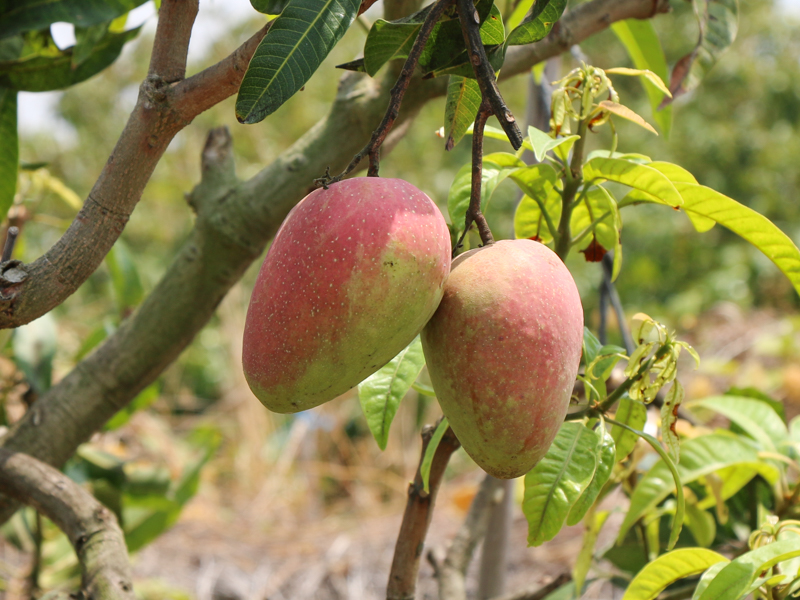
(597, 203)
(143, 399)
(719, 24)
(27, 15)
(86, 38)
(633, 414)
(492, 31)
(558, 480)
(699, 457)
(542, 142)
(496, 167)
(733, 581)
(730, 480)
(701, 524)
(389, 40)
(381, 393)
(538, 182)
(293, 49)
(669, 416)
(591, 347)
(269, 7)
(756, 418)
(707, 577)
(669, 568)
(520, 11)
(47, 68)
(539, 23)
(430, 451)
(461, 108)
(146, 518)
(9, 149)
(125, 281)
(583, 562)
(641, 41)
(605, 453)
(639, 177)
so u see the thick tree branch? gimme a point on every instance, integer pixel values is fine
(452, 573)
(171, 44)
(162, 110)
(417, 518)
(231, 231)
(92, 529)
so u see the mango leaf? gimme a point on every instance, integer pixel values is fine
(145, 518)
(9, 150)
(460, 109)
(125, 281)
(733, 581)
(380, 394)
(496, 167)
(701, 523)
(541, 202)
(719, 23)
(707, 577)
(756, 418)
(293, 49)
(430, 451)
(517, 15)
(633, 414)
(728, 481)
(626, 113)
(45, 70)
(538, 24)
(86, 38)
(669, 417)
(605, 453)
(458, 64)
(542, 142)
(558, 480)
(594, 523)
(669, 568)
(269, 7)
(27, 15)
(388, 40)
(598, 208)
(641, 41)
(699, 457)
(639, 177)
(591, 347)
(142, 400)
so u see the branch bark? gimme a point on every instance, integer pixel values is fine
(92, 529)
(233, 226)
(162, 110)
(417, 518)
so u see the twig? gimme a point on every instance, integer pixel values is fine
(171, 44)
(452, 573)
(494, 556)
(608, 289)
(91, 528)
(484, 73)
(11, 239)
(538, 593)
(417, 518)
(373, 147)
(474, 213)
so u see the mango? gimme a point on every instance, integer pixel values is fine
(503, 350)
(353, 274)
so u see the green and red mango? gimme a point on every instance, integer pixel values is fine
(354, 273)
(503, 351)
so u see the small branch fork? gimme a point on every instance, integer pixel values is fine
(484, 73)
(373, 147)
(92, 529)
(417, 518)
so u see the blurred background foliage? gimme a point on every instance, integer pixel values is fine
(738, 133)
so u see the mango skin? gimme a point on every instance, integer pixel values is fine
(354, 273)
(503, 350)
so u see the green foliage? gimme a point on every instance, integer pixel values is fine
(461, 108)
(9, 151)
(430, 452)
(27, 15)
(605, 459)
(557, 482)
(293, 49)
(380, 394)
(538, 24)
(40, 66)
(669, 568)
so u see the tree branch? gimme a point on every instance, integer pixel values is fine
(230, 232)
(452, 574)
(538, 593)
(171, 44)
(162, 110)
(92, 529)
